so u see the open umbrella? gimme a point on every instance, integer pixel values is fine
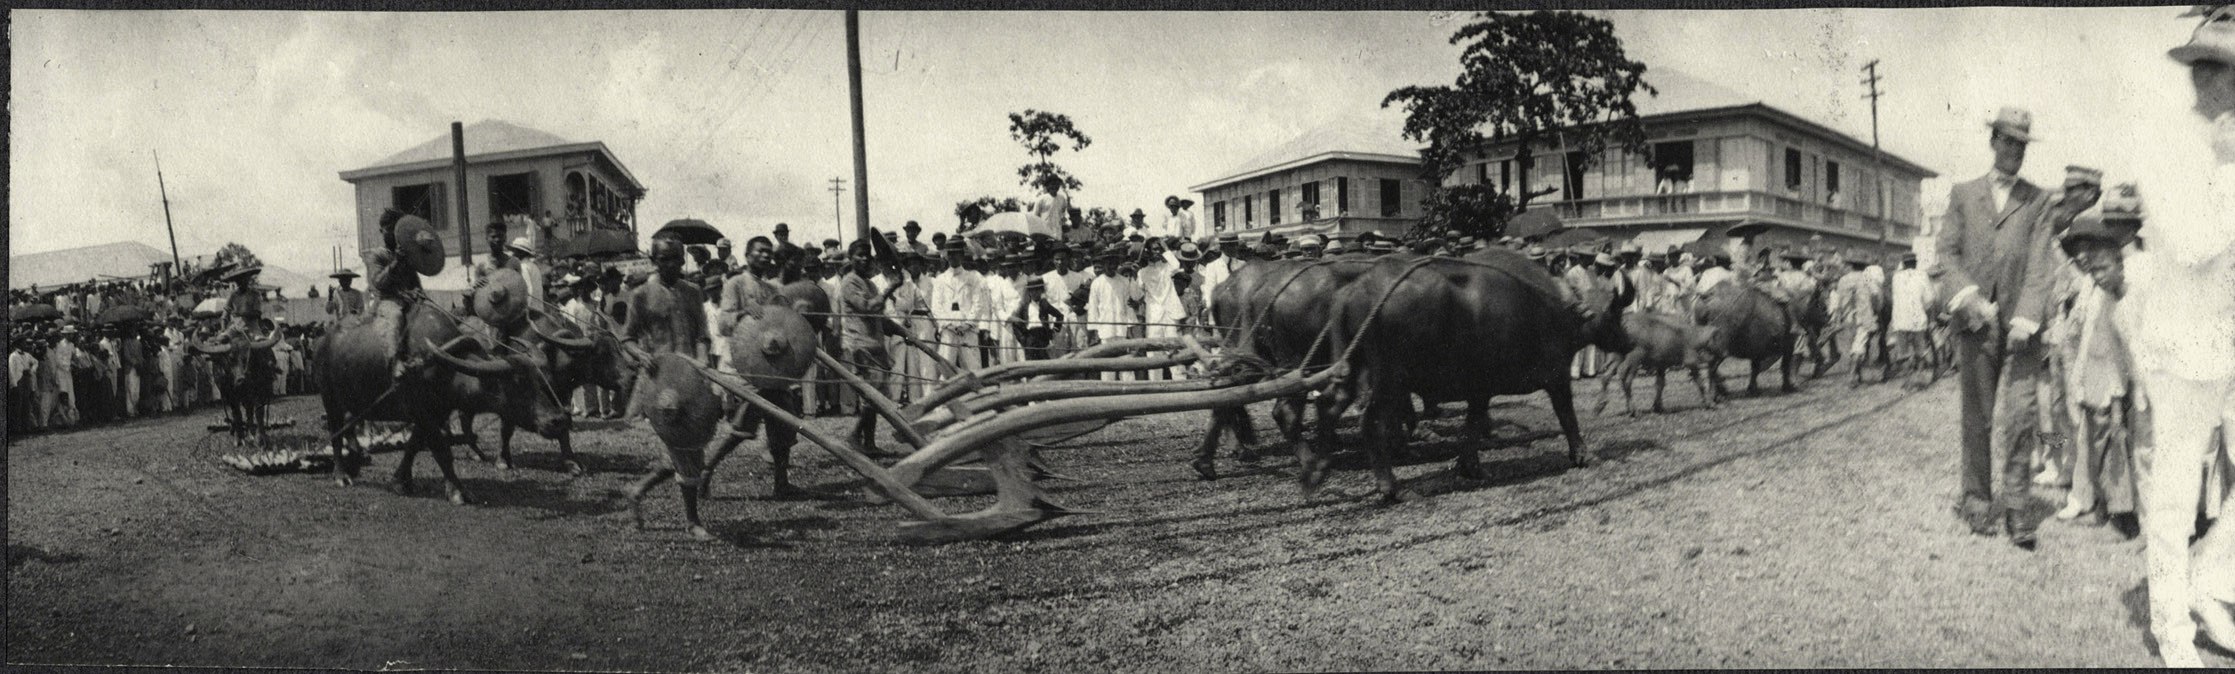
(127, 313)
(210, 308)
(1538, 222)
(1013, 221)
(1570, 237)
(689, 232)
(34, 312)
(1704, 247)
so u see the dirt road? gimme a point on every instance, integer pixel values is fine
(1782, 531)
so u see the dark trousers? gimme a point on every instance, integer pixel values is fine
(1980, 371)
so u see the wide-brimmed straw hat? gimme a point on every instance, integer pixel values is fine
(2214, 39)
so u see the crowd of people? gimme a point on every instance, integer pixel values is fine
(91, 363)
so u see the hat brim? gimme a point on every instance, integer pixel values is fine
(2021, 135)
(2189, 54)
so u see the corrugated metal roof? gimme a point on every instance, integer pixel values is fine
(488, 138)
(127, 259)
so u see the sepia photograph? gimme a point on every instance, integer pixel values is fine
(1086, 339)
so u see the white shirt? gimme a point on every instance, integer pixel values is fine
(2179, 319)
(720, 346)
(1911, 292)
(532, 273)
(1059, 293)
(1714, 276)
(2001, 185)
(1001, 302)
(1181, 224)
(1106, 305)
(1161, 301)
(952, 300)
(1213, 274)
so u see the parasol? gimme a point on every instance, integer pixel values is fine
(128, 313)
(34, 312)
(1006, 221)
(1570, 237)
(210, 308)
(1539, 222)
(1703, 248)
(689, 232)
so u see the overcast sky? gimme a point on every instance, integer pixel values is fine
(739, 117)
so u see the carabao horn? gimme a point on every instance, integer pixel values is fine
(568, 343)
(478, 366)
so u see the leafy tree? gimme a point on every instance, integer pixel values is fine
(238, 256)
(1538, 81)
(1042, 134)
(1098, 218)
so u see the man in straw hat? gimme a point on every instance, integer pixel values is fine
(2176, 312)
(956, 302)
(1984, 243)
(345, 302)
(531, 270)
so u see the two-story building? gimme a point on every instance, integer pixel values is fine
(1350, 176)
(1721, 164)
(570, 198)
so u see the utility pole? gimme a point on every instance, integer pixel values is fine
(861, 151)
(1877, 159)
(167, 228)
(837, 213)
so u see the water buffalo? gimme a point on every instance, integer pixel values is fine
(1277, 309)
(1661, 341)
(363, 381)
(1450, 329)
(244, 368)
(1749, 324)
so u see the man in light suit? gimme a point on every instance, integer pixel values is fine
(1984, 246)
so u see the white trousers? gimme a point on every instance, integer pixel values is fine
(2185, 418)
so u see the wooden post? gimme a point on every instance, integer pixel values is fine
(458, 166)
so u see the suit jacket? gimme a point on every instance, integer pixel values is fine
(1982, 246)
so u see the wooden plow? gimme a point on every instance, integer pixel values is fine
(986, 414)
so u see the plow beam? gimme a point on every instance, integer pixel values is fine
(884, 405)
(1009, 395)
(961, 441)
(1020, 503)
(975, 380)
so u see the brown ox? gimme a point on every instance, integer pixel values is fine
(1450, 329)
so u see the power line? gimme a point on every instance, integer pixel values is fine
(737, 103)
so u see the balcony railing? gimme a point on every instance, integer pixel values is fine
(1615, 210)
